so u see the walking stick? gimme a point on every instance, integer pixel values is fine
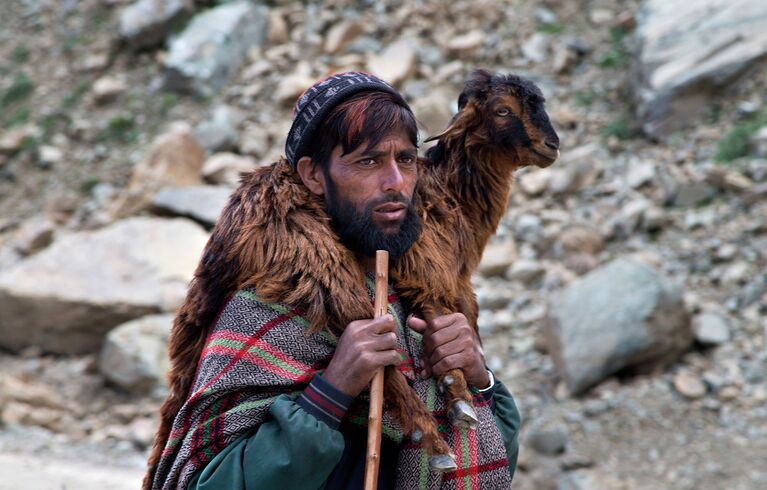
(376, 387)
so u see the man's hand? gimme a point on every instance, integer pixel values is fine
(365, 346)
(450, 342)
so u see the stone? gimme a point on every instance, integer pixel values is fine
(201, 203)
(690, 52)
(212, 48)
(578, 170)
(175, 158)
(547, 437)
(691, 194)
(147, 23)
(433, 110)
(292, 86)
(67, 297)
(254, 141)
(640, 173)
(638, 316)
(758, 143)
(106, 89)
(526, 271)
(225, 168)
(497, 258)
(342, 34)
(219, 131)
(728, 180)
(689, 385)
(395, 63)
(135, 354)
(279, 31)
(468, 42)
(12, 139)
(536, 47)
(535, 182)
(49, 155)
(581, 239)
(34, 234)
(565, 59)
(711, 329)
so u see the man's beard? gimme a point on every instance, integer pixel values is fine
(358, 232)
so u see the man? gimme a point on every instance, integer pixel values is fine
(354, 145)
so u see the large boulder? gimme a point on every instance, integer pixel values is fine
(690, 51)
(212, 48)
(135, 354)
(622, 314)
(68, 296)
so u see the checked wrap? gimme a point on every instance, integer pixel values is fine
(258, 351)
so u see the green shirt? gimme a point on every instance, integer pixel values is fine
(293, 449)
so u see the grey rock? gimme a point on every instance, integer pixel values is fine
(67, 297)
(497, 258)
(135, 354)
(690, 51)
(637, 315)
(225, 168)
(692, 194)
(547, 437)
(212, 48)
(146, 23)
(201, 203)
(711, 329)
(219, 131)
(34, 235)
(526, 271)
(395, 63)
(759, 143)
(536, 47)
(689, 385)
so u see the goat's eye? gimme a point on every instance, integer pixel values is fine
(502, 111)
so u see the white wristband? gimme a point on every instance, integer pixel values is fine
(492, 381)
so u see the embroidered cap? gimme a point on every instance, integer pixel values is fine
(314, 104)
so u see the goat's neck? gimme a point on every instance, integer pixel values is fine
(480, 181)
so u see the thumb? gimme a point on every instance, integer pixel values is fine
(417, 324)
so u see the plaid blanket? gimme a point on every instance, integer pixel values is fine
(258, 351)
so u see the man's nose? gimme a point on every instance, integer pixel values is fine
(393, 180)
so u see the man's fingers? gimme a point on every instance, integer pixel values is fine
(417, 324)
(446, 350)
(384, 324)
(447, 363)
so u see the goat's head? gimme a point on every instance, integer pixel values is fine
(504, 114)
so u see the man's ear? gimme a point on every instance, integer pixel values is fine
(312, 175)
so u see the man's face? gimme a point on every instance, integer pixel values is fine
(369, 194)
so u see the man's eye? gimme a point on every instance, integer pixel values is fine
(408, 160)
(367, 162)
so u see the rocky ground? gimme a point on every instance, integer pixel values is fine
(624, 298)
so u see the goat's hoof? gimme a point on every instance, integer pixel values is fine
(462, 414)
(447, 381)
(416, 436)
(442, 463)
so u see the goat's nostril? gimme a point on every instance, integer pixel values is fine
(552, 145)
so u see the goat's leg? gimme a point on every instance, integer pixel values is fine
(460, 411)
(417, 421)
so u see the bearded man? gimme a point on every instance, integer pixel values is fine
(276, 405)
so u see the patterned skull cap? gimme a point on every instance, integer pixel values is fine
(315, 103)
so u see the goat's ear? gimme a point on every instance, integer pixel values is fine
(467, 117)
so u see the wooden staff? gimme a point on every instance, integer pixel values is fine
(376, 387)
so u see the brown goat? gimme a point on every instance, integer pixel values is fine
(501, 126)
(274, 235)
